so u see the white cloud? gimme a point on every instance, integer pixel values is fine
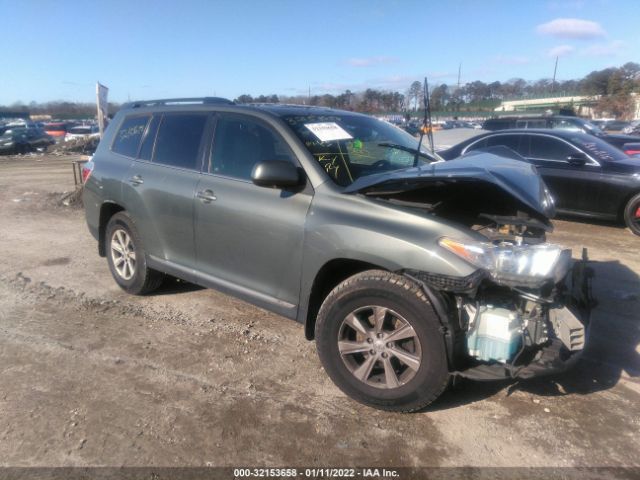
(370, 61)
(561, 51)
(566, 5)
(511, 60)
(611, 49)
(571, 28)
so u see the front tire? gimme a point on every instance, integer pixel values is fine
(379, 340)
(632, 215)
(127, 258)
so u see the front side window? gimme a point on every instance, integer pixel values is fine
(477, 145)
(548, 148)
(510, 141)
(178, 140)
(127, 140)
(240, 143)
(509, 145)
(351, 146)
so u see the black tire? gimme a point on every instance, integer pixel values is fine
(143, 279)
(395, 294)
(631, 219)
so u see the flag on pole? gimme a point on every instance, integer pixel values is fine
(101, 94)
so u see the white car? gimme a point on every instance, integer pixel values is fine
(631, 128)
(82, 131)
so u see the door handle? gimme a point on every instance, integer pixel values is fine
(206, 196)
(136, 180)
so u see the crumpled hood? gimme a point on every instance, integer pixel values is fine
(518, 178)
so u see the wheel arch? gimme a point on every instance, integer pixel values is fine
(107, 210)
(326, 279)
(625, 201)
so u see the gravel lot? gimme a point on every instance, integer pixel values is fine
(92, 376)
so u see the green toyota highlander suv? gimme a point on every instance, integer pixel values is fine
(406, 270)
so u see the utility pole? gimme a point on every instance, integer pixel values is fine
(459, 74)
(555, 70)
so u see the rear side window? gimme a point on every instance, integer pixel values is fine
(548, 148)
(475, 146)
(510, 141)
(178, 140)
(146, 150)
(566, 125)
(541, 123)
(498, 124)
(129, 135)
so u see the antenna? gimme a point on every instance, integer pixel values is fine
(426, 124)
(555, 69)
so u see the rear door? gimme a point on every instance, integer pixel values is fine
(249, 239)
(159, 188)
(575, 188)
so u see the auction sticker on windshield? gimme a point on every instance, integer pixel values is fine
(328, 131)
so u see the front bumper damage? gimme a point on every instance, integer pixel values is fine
(566, 315)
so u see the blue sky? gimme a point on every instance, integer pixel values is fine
(142, 49)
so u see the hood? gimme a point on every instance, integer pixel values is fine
(629, 165)
(620, 140)
(517, 178)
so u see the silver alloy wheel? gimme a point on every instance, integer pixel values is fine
(379, 347)
(123, 254)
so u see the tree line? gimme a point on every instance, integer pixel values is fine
(613, 85)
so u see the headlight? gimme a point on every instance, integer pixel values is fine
(514, 263)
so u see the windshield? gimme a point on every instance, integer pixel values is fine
(599, 149)
(349, 146)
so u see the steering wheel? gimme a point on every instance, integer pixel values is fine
(381, 164)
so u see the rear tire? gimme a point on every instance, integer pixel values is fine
(127, 258)
(379, 340)
(632, 215)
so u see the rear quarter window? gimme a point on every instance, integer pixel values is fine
(127, 140)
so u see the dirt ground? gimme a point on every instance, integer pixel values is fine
(188, 376)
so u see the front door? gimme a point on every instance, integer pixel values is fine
(575, 188)
(250, 238)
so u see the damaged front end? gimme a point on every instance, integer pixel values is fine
(524, 311)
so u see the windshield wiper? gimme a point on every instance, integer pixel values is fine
(414, 151)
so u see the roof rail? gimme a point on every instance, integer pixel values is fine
(179, 101)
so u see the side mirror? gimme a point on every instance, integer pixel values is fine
(577, 159)
(276, 174)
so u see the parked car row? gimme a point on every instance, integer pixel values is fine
(586, 175)
(413, 127)
(24, 140)
(561, 122)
